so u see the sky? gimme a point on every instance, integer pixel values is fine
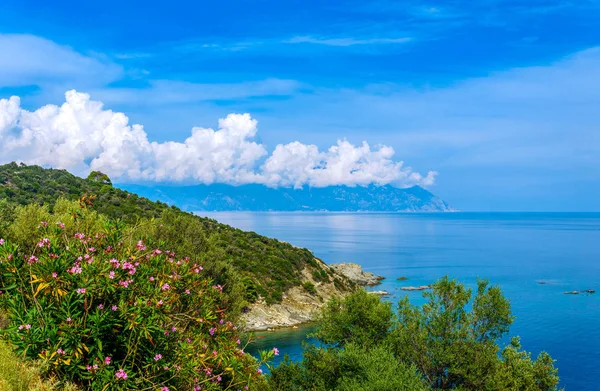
(493, 105)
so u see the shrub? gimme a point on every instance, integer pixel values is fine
(108, 311)
(310, 287)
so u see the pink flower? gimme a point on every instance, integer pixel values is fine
(44, 243)
(259, 371)
(32, 259)
(44, 224)
(187, 292)
(54, 274)
(111, 275)
(60, 225)
(61, 352)
(27, 326)
(173, 329)
(121, 374)
(107, 360)
(151, 279)
(165, 287)
(79, 236)
(238, 342)
(1, 241)
(81, 291)
(157, 357)
(165, 388)
(140, 246)
(68, 320)
(114, 263)
(276, 351)
(100, 306)
(114, 308)
(212, 331)
(21, 327)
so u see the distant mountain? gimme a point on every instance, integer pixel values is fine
(219, 197)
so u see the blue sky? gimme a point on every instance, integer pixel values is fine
(499, 97)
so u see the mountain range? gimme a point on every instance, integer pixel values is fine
(220, 197)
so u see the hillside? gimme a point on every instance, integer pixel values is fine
(219, 197)
(252, 268)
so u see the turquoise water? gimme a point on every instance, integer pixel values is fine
(514, 250)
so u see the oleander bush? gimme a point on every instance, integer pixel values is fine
(94, 305)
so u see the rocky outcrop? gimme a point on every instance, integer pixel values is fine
(588, 291)
(355, 273)
(416, 288)
(298, 305)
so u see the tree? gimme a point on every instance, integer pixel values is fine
(449, 343)
(99, 177)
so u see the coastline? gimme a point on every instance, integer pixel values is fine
(300, 307)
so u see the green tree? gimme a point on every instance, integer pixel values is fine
(352, 368)
(361, 318)
(99, 177)
(450, 343)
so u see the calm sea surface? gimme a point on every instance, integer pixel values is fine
(514, 250)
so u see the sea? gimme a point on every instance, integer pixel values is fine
(534, 257)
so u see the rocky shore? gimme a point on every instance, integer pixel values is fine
(298, 305)
(355, 273)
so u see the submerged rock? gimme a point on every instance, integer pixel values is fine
(402, 278)
(572, 293)
(355, 273)
(416, 288)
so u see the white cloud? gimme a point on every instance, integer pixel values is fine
(349, 41)
(81, 136)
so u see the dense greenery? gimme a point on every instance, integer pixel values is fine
(103, 306)
(449, 343)
(248, 265)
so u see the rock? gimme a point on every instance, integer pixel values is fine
(402, 278)
(416, 288)
(297, 306)
(355, 273)
(588, 291)
(542, 282)
(572, 293)
(380, 293)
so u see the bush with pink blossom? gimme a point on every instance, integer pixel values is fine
(110, 311)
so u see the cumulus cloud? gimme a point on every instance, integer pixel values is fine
(81, 135)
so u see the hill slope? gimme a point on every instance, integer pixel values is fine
(263, 268)
(219, 197)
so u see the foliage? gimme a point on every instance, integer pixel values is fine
(249, 266)
(451, 343)
(100, 177)
(361, 318)
(310, 287)
(103, 308)
(350, 369)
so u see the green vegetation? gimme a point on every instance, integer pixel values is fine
(248, 265)
(16, 375)
(450, 343)
(98, 304)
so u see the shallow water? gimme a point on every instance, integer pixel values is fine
(514, 250)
